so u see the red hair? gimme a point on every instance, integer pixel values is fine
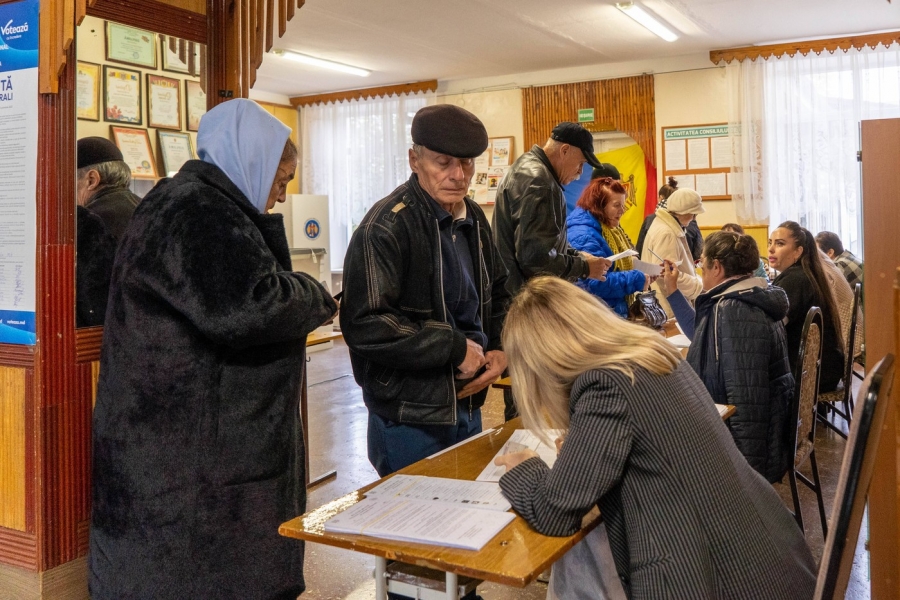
(598, 194)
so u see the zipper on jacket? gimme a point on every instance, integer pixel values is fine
(716, 330)
(437, 229)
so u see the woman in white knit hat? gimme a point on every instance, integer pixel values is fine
(666, 241)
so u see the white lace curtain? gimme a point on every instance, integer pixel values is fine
(798, 123)
(356, 153)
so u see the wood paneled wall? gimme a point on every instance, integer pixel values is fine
(626, 104)
(12, 448)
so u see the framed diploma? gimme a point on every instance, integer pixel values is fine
(122, 95)
(195, 104)
(163, 102)
(135, 147)
(171, 59)
(87, 91)
(176, 150)
(130, 45)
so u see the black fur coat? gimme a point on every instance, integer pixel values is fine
(197, 448)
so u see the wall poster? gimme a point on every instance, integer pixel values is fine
(490, 168)
(699, 157)
(18, 170)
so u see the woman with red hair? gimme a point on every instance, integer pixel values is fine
(593, 227)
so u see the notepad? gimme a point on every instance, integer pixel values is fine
(521, 439)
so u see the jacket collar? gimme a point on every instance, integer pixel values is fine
(542, 156)
(213, 176)
(670, 221)
(735, 286)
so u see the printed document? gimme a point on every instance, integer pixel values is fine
(459, 492)
(521, 439)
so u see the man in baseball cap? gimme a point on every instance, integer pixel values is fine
(425, 298)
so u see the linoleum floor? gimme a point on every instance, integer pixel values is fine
(338, 422)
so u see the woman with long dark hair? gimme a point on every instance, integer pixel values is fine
(793, 252)
(593, 227)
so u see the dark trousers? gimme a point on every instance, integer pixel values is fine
(393, 446)
(509, 406)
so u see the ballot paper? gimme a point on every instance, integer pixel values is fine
(680, 341)
(521, 439)
(624, 254)
(459, 492)
(648, 268)
(421, 521)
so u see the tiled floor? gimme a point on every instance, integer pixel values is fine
(338, 441)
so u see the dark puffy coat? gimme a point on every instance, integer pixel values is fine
(585, 234)
(394, 315)
(739, 350)
(197, 448)
(530, 223)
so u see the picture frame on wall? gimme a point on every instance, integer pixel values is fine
(163, 102)
(170, 60)
(176, 149)
(122, 95)
(130, 45)
(136, 151)
(87, 91)
(195, 104)
(502, 151)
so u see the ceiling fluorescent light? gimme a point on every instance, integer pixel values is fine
(321, 62)
(644, 18)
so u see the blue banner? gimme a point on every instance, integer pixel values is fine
(17, 327)
(18, 36)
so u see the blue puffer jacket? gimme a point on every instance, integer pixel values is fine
(585, 234)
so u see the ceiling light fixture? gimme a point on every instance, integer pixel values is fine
(647, 20)
(321, 62)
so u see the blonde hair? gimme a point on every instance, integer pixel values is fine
(554, 332)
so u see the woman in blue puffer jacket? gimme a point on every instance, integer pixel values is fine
(593, 227)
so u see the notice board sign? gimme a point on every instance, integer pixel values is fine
(18, 169)
(699, 157)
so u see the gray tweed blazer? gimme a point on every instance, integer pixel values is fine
(687, 516)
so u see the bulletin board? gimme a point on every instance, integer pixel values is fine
(490, 168)
(699, 157)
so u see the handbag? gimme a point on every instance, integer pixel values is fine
(647, 310)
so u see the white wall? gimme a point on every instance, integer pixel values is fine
(695, 97)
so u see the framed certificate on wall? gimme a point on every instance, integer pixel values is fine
(163, 102)
(195, 104)
(175, 148)
(122, 95)
(130, 45)
(87, 91)
(135, 146)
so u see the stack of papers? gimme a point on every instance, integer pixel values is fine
(428, 510)
(521, 439)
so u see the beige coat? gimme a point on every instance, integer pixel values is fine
(843, 297)
(666, 238)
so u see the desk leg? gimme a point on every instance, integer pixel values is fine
(452, 586)
(380, 578)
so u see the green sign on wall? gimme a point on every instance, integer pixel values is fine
(585, 115)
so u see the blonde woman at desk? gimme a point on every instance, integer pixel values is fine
(686, 514)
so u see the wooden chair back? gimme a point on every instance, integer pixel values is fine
(853, 483)
(806, 385)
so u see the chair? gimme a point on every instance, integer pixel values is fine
(844, 391)
(853, 484)
(806, 388)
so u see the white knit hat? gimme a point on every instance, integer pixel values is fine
(685, 201)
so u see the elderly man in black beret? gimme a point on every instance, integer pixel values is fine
(102, 183)
(425, 298)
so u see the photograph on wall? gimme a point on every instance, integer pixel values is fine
(501, 151)
(136, 151)
(176, 150)
(163, 102)
(130, 45)
(87, 91)
(195, 104)
(122, 95)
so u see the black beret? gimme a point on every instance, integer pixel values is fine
(450, 130)
(606, 170)
(95, 150)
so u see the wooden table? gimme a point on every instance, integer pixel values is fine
(514, 557)
(313, 339)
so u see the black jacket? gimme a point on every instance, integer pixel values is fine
(530, 223)
(115, 207)
(393, 315)
(802, 296)
(740, 352)
(197, 448)
(95, 251)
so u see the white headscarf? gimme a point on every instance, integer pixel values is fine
(246, 142)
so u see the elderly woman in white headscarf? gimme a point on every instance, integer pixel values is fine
(197, 450)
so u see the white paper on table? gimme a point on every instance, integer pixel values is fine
(624, 254)
(680, 341)
(698, 153)
(648, 268)
(459, 492)
(420, 521)
(521, 439)
(676, 157)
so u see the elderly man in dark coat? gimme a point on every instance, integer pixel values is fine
(197, 447)
(102, 183)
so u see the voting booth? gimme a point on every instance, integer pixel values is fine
(310, 234)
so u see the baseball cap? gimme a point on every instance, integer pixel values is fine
(576, 135)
